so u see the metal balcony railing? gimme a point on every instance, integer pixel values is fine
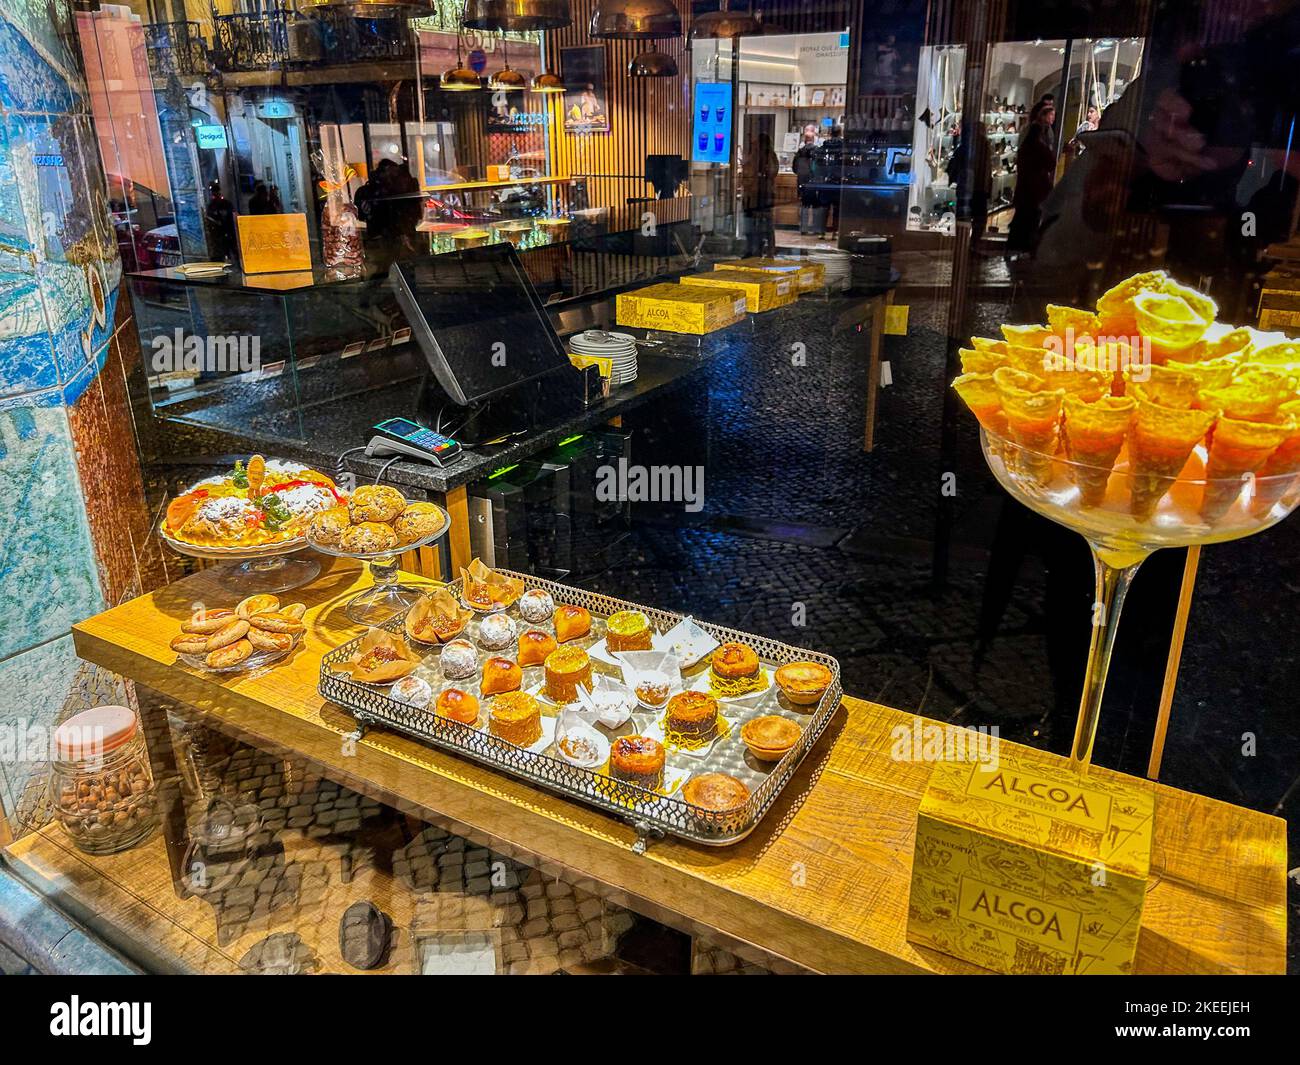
(348, 39)
(247, 42)
(175, 48)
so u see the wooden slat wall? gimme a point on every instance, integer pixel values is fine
(647, 115)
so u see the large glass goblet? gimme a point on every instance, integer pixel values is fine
(1100, 505)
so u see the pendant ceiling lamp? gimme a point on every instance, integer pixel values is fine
(653, 65)
(516, 15)
(636, 20)
(460, 78)
(546, 82)
(724, 25)
(505, 79)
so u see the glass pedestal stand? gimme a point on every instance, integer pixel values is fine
(260, 569)
(1124, 527)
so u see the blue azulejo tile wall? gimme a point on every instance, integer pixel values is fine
(59, 275)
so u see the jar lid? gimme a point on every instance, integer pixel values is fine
(93, 733)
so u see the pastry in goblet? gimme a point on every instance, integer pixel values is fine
(375, 502)
(328, 526)
(417, 521)
(367, 537)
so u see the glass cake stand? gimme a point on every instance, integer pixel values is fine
(268, 568)
(1192, 510)
(387, 597)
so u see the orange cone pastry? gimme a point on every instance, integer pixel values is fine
(1253, 395)
(1115, 312)
(1033, 413)
(980, 394)
(981, 360)
(1281, 471)
(1161, 440)
(1094, 434)
(1238, 448)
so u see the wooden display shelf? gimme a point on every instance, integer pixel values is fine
(823, 880)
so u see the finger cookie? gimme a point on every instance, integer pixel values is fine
(228, 634)
(257, 604)
(295, 610)
(277, 621)
(263, 640)
(190, 643)
(230, 654)
(207, 622)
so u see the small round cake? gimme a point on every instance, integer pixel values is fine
(534, 647)
(572, 622)
(458, 705)
(638, 760)
(375, 502)
(516, 717)
(567, 668)
(496, 631)
(770, 736)
(536, 607)
(413, 691)
(735, 670)
(327, 526)
(628, 630)
(367, 537)
(459, 660)
(693, 714)
(715, 792)
(500, 675)
(417, 521)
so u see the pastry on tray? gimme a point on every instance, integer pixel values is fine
(375, 503)
(256, 604)
(205, 622)
(566, 669)
(769, 737)
(735, 671)
(268, 640)
(380, 658)
(715, 792)
(487, 591)
(516, 717)
(413, 691)
(436, 618)
(459, 660)
(693, 715)
(803, 683)
(229, 654)
(254, 505)
(536, 606)
(501, 675)
(572, 623)
(458, 705)
(496, 631)
(628, 630)
(225, 638)
(638, 760)
(534, 646)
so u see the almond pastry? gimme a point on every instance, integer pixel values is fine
(257, 604)
(190, 643)
(207, 621)
(269, 641)
(229, 654)
(231, 631)
(278, 621)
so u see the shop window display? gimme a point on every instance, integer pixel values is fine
(529, 476)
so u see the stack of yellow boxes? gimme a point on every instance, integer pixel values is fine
(763, 292)
(1026, 866)
(811, 276)
(680, 308)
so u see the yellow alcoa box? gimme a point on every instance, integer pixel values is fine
(810, 275)
(1024, 866)
(762, 293)
(679, 309)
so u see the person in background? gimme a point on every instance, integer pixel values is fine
(1091, 120)
(260, 201)
(828, 170)
(219, 222)
(971, 175)
(1035, 175)
(803, 175)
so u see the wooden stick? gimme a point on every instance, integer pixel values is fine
(1175, 656)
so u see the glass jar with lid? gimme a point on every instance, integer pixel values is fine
(101, 786)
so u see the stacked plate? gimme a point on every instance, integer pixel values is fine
(619, 348)
(838, 265)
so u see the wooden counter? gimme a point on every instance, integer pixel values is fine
(824, 879)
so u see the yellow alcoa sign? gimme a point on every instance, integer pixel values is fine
(1024, 866)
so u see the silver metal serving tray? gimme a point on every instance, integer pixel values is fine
(652, 814)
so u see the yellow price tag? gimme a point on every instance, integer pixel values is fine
(896, 320)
